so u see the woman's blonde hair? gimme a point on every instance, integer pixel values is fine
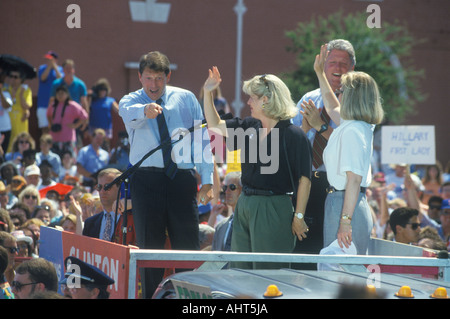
(23, 135)
(361, 98)
(32, 221)
(30, 190)
(280, 105)
(71, 217)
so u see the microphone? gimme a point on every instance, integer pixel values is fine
(120, 178)
(225, 117)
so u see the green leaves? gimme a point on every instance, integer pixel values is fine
(384, 53)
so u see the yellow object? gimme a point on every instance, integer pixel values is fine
(371, 289)
(86, 198)
(404, 292)
(272, 291)
(233, 161)
(17, 114)
(440, 293)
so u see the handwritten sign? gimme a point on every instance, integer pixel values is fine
(408, 144)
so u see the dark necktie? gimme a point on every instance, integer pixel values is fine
(169, 166)
(320, 142)
(108, 227)
(227, 246)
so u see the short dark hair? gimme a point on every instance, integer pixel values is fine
(155, 61)
(22, 206)
(40, 270)
(45, 163)
(435, 199)
(30, 153)
(401, 217)
(103, 292)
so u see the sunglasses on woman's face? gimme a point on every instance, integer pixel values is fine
(30, 196)
(232, 187)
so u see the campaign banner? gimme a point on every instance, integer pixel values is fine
(51, 249)
(111, 258)
(408, 144)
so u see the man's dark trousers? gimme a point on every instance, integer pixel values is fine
(164, 206)
(314, 217)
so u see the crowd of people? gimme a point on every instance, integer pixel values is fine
(50, 179)
(327, 186)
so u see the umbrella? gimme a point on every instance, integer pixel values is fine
(62, 189)
(11, 62)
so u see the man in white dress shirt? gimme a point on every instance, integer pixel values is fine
(340, 60)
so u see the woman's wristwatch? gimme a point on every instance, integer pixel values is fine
(323, 128)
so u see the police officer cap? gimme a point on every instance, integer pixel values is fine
(89, 275)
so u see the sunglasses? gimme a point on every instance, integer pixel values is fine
(435, 207)
(99, 187)
(24, 142)
(30, 196)
(232, 187)
(266, 82)
(414, 226)
(18, 286)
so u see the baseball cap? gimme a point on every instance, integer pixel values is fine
(32, 169)
(445, 204)
(18, 182)
(20, 236)
(51, 55)
(203, 209)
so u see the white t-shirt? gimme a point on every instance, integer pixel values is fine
(349, 149)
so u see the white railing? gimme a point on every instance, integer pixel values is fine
(142, 255)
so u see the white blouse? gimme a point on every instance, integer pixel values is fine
(349, 149)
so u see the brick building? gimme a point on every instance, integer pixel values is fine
(197, 34)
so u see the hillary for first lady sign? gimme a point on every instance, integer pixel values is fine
(408, 144)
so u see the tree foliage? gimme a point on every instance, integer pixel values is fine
(384, 53)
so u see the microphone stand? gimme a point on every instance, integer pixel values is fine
(125, 175)
(124, 178)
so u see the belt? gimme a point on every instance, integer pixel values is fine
(160, 169)
(331, 189)
(253, 191)
(319, 174)
(152, 169)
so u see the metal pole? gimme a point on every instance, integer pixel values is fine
(174, 255)
(240, 10)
